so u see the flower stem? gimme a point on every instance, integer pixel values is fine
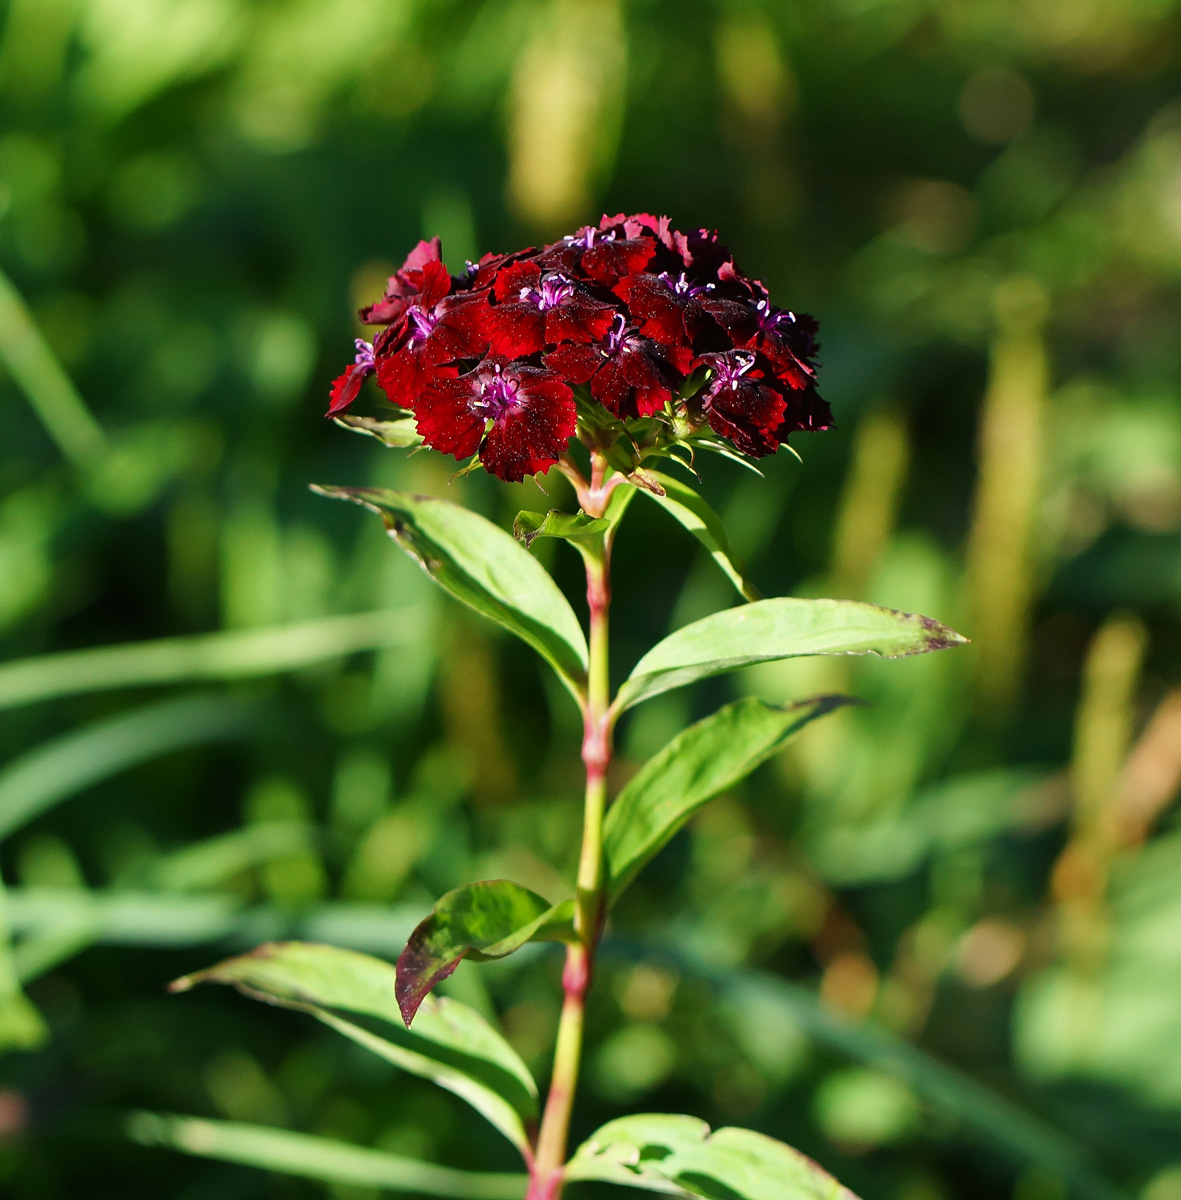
(546, 1172)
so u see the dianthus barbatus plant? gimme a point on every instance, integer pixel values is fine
(612, 355)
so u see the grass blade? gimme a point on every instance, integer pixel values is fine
(52, 772)
(318, 1158)
(50, 391)
(236, 654)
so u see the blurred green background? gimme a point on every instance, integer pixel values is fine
(937, 944)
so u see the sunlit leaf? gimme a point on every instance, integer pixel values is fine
(236, 654)
(319, 1158)
(774, 629)
(397, 432)
(692, 511)
(697, 765)
(50, 773)
(585, 533)
(482, 921)
(485, 568)
(679, 1155)
(451, 1044)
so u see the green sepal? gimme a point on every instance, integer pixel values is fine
(481, 921)
(697, 765)
(451, 1044)
(768, 630)
(485, 568)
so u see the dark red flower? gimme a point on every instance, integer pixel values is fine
(405, 283)
(739, 403)
(630, 308)
(603, 255)
(666, 307)
(807, 412)
(538, 309)
(345, 387)
(787, 340)
(520, 419)
(627, 372)
(436, 328)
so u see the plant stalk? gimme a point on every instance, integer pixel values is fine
(546, 1174)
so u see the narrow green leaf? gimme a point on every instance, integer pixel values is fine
(485, 568)
(775, 629)
(692, 511)
(483, 920)
(50, 773)
(238, 654)
(398, 432)
(21, 1026)
(451, 1044)
(58, 922)
(319, 1158)
(51, 392)
(585, 533)
(697, 765)
(679, 1155)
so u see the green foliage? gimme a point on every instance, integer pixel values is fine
(977, 202)
(680, 1156)
(583, 532)
(482, 566)
(482, 921)
(450, 1045)
(322, 1159)
(768, 630)
(399, 433)
(697, 765)
(692, 510)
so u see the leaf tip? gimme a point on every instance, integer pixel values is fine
(938, 636)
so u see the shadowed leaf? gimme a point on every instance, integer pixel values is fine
(483, 920)
(697, 765)
(451, 1044)
(774, 629)
(485, 568)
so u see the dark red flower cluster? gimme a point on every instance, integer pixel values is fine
(648, 320)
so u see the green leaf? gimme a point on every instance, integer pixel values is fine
(483, 920)
(238, 654)
(679, 1156)
(319, 1158)
(35, 368)
(692, 511)
(398, 432)
(485, 568)
(451, 1044)
(697, 765)
(586, 533)
(50, 773)
(21, 1026)
(775, 629)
